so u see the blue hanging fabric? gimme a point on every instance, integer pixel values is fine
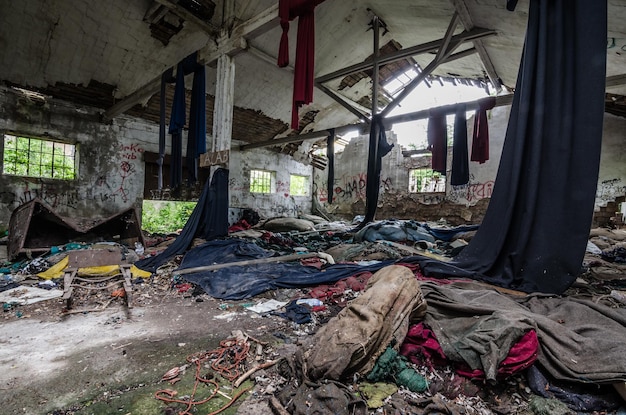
(196, 139)
(550, 159)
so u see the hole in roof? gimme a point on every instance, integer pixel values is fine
(430, 93)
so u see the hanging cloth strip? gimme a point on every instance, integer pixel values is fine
(166, 78)
(460, 162)
(330, 153)
(438, 140)
(305, 50)
(177, 123)
(379, 147)
(480, 138)
(196, 137)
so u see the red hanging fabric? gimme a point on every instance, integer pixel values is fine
(305, 50)
(438, 140)
(480, 139)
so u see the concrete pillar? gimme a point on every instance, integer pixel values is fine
(224, 103)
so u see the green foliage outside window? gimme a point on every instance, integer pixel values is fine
(165, 216)
(426, 180)
(298, 185)
(260, 181)
(33, 157)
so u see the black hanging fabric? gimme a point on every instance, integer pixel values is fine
(511, 4)
(378, 148)
(209, 220)
(196, 139)
(166, 78)
(460, 161)
(177, 123)
(330, 153)
(535, 231)
(438, 140)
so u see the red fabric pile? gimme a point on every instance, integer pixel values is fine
(421, 347)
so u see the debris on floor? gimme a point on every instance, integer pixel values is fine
(356, 328)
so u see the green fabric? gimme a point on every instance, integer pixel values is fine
(392, 367)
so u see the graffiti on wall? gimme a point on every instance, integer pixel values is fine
(110, 188)
(347, 187)
(471, 192)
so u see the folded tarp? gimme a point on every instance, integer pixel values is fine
(580, 341)
(239, 282)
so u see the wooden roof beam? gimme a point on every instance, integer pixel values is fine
(468, 24)
(466, 36)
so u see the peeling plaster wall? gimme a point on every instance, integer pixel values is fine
(110, 176)
(276, 204)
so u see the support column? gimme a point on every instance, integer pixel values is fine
(224, 104)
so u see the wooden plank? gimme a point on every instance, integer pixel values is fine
(214, 158)
(95, 257)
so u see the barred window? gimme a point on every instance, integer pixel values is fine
(36, 157)
(426, 181)
(261, 181)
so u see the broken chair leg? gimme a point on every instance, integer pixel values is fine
(68, 279)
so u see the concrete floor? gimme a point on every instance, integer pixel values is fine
(109, 361)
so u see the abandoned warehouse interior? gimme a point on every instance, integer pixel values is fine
(365, 239)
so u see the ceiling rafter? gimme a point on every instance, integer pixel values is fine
(466, 20)
(469, 35)
(387, 122)
(443, 53)
(183, 13)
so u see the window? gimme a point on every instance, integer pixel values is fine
(426, 181)
(299, 185)
(261, 181)
(35, 157)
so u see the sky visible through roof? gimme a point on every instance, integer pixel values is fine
(412, 135)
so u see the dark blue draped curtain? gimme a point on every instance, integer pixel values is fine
(535, 231)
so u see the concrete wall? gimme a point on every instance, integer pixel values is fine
(280, 202)
(460, 204)
(612, 175)
(111, 175)
(110, 167)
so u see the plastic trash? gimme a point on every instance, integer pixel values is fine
(619, 296)
(312, 302)
(139, 249)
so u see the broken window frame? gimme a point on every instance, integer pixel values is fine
(423, 183)
(262, 181)
(45, 158)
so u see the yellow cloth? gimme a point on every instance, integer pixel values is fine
(56, 271)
